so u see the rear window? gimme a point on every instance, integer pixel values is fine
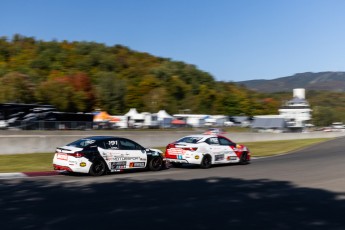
(189, 139)
(82, 143)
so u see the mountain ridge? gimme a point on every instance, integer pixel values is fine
(321, 81)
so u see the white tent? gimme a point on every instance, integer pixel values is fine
(164, 118)
(163, 114)
(132, 112)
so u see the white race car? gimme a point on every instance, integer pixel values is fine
(98, 155)
(206, 150)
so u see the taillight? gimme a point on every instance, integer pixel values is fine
(76, 154)
(171, 145)
(190, 149)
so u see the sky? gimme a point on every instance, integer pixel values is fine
(233, 40)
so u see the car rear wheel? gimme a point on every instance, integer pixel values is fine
(206, 162)
(98, 168)
(156, 164)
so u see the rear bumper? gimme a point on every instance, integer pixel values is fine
(63, 168)
(177, 161)
(71, 168)
(183, 161)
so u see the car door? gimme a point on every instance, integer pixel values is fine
(112, 154)
(135, 154)
(229, 153)
(217, 151)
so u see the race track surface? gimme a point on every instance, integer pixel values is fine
(300, 190)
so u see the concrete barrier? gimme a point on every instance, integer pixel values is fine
(20, 142)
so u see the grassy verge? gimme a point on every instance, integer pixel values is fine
(26, 162)
(43, 161)
(269, 148)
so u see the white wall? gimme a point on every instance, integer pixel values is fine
(46, 141)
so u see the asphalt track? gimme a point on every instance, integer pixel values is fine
(300, 190)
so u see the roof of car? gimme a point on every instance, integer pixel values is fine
(100, 137)
(203, 135)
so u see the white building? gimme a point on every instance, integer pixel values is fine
(296, 112)
(216, 120)
(141, 120)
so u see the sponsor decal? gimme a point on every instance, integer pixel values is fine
(196, 157)
(89, 142)
(219, 157)
(230, 158)
(175, 151)
(82, 164)
(62, 156)
(137, 164)
(118, 165)
(180, 157)
(126, 158)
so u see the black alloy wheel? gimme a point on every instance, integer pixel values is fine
(98, 168)
(156, 164)
(206, 162)
(243, 159)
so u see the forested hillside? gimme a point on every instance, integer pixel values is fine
(84, 76)
(322, 81)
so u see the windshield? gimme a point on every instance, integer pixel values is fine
(82, 143)
(189, 139)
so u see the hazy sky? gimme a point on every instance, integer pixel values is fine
(233, 40)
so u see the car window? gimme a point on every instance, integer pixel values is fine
(129, 145)
(224, 141)
(111, 144)
(189, 140)
(212, 141)
(82, 143)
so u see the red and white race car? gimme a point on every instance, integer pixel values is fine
(206, 150)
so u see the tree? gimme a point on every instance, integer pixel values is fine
(55, 92)
(16, 87)
(67, 93)
(322, 116)
(156, 100)
(110, 93)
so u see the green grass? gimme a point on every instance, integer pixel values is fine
(43, 161)
(269, 148)
(26, 162)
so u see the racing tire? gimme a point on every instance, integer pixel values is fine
(243, 159)
(156, 164)
(98, 168)
(206, 162)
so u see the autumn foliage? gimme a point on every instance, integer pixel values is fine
(83, 76)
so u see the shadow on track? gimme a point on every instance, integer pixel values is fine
(213, 203)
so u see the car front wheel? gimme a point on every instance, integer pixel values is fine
(244, 158)
(156, 164)
(98, 168)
